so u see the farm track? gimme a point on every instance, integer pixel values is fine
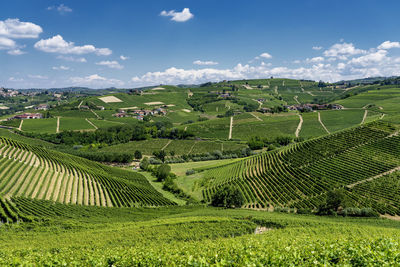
(91, 123)
(365, 116)
(296, 99)
(166, 145)
(20, 125)
(298, 129)
(322, 124)
(255, 116)
(58, 125)
(95, 113)
(375, 177)
(230, 128)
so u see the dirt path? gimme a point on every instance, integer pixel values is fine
(255, 116)
(185, 128)
(299, 126)
(276, 89)
(375, 177)
(383, 115)
(191, 148)
(283, 83)
(295, 99)
(91, 123)
(230, 129)
(20, 125)
(323, 125)
(311, 94)
(365, 116)
(58, 125)
(164, 147)
(95, 113)
(248, 87)
(80, 104)
(259, 103)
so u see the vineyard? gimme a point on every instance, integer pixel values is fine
(300, 175)
(33, 172)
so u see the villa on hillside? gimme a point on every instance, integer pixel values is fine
(27, 116)
(139, 113)
(311, 107)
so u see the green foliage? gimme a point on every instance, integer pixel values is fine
(162, 172)
(138, 154)
(228, 197)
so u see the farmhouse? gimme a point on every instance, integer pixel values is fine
(311, 107)
(28, 116)
(42, 107)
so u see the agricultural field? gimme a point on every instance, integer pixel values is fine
(40, 125)
(347, 158)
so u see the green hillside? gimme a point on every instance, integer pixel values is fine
(34, 172)
(300, 175)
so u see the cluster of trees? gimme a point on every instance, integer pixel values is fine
(105, 156)
(162, 156)
(227, 197)
(258, 142)
(113, 135)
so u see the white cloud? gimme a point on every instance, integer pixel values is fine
(16, 52)
(62, 9)
(13, 79)
(111, 64)
(343, 50)
(296, 61)
(38, 77)
(182, 16)
(317, 47)
(6, 43)
(13, 28)
(122, 57)
(388, 45)
(72, 59)
(372, 58)
(265, 55)
(61, 67)
(57, 44)
(207, 63)
(95, 80)
(315, 59)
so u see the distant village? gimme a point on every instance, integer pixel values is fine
(307, 107)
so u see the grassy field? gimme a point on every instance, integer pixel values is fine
(311, 126)
(336, 120)
(40, 125)
(74, 124)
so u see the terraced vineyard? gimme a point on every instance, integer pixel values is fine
(33, 172)
(300, 175)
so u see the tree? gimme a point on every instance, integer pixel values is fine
(228, 197)
(162, 172)
(335, 200)
(160, 155)
(144, 164)
(138, 154)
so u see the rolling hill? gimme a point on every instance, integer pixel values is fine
(33, 172)
(358, 160)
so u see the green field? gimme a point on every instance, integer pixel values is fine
(336, 120)
(74, 124)
(40, 125)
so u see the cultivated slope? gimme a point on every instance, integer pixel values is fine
(34, 172)
(300, 175)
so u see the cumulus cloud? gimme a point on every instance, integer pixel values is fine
(16, 52)
(16, 29)
(182, 16)
(57, 44)
(315, 59)
(62, 9)
(388, 45)
(95, 80)
(111, 64)
(61, 67)
(317, 47)
(207, 63)
(72, 59)
(371, 58)
(6, 43)
(122, 57)
(342, 50)
(265, 55)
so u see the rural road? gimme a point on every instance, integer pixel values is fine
(323, 125)
(230, 129)
(299, 126)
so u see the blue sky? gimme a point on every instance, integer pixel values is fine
(135, 43)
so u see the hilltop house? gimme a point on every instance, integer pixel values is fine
(42, 107)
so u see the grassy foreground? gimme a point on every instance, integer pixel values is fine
(198, 236)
